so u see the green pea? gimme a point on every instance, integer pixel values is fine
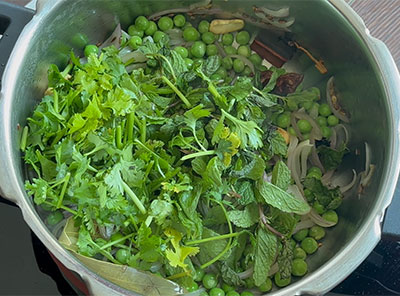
(209, 281)
(255, 59)
(91, 49)
(222, 72)
(232, 293)
(165, 23)
(208, 37)
(243, 37)
(158, 36)
(332, 120)
(151, 29)
(54, 218)
(314, 172)
(198, 274)
(229, 50)
(299, 253)
(249, 283)
(309, 195)
(192, 286)
(266, 286)
(135, 42)
(317, 232)
(227, 288)
(283, 120)
(300, 235)
(309, 245)
(326, 132)
(292, 131)
(179, 20)
(134, 31)
(211, 50)
(191, 34)
(304, 126)
(189, 62)
(299, 267)
(246, 293)
(244, 50)
(321, 121)
(217, 292)
(331, 216)
(183, 52)
(293, 243)
(247, 71)
(324, 110)
(122, 255)
(79, 40)
(238, 65)
(142, 23)
(198, 49)
(227, 63)
(203, 26)
(227, 39)
(307, 105)
(280, 282)
(320, 209)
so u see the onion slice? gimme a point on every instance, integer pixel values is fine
(317, 219)
(280, 13)
(114, 39)
(333, 101)
(303, 225)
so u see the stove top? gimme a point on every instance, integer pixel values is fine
(28, 269)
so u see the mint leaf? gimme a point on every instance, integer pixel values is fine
(266, 248)
(211, 65)
(245, 190)
(276, 197)
(331, 158)
(285, 259)
(230, 277)
(246, 218)
(253, 170)
(281, 175)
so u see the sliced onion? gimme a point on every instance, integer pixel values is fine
(221, 50)
(114, 39)
(317, 219)
(137, 56)
(245, 60)
(296, 192)
(276, 22)
(347, 187)
(303, 160)
(330, 97)
(333, 139)
(293, 123)
(342, 134)
(325, 179)
(132, 67)
(367, 157)
(315, 161)
(294, 161)
(159, 14)
(246, 274)
(281, 12)
(274, 269)
(303, 225)
(365, 179)
(293, 141)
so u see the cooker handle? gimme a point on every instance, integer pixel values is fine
(13, 19)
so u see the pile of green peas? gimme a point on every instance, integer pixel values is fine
(325, 119)
(200, 43)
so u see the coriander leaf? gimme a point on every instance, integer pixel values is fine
(178, 256)
(148, 244)
(199, 165)
(161, 209)
(276, 197)
(213, 173)
(266, 248)
(331, 158)
(266, 100)
(245, 190)
(38, 188)
(277, 144)
(49, 168)
(249, 133)
(253, 170)
(189, 200)
(246, 218)
(242, 88)
(281, 176)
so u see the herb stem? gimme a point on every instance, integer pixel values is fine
(198, 154)
(143, 130)
(177, 91)
(130, 126)
(169, 65)
(152, 152)
(63, 189)
(118, 138)
(134, 198)
(266, 224)
(214, 238)
(228, 245)
(178, 275)
(55, 98)
(24, 138)
(110, 244)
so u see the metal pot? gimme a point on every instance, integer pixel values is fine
(364, 71)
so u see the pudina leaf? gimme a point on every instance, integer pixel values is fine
(246, 218)
(281, 175)
(266, 249)
(273, 195)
